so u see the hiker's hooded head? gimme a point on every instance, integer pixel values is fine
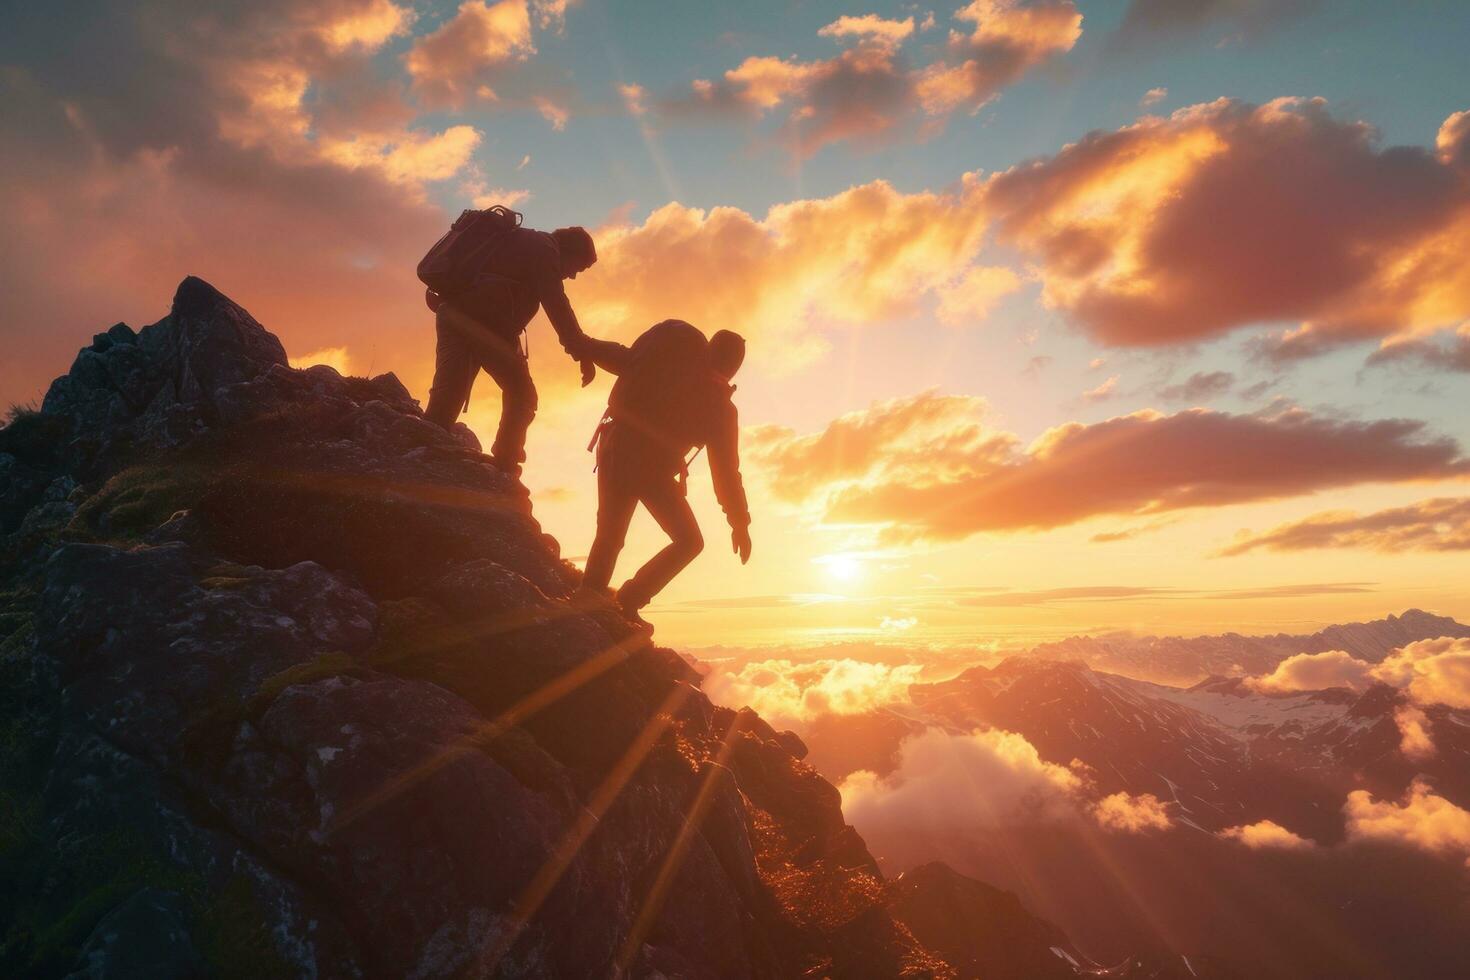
(577, 251)
(726, 353)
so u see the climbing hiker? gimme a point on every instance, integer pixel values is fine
(672, 396)
(487, 277)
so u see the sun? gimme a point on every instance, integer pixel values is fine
(842, 567)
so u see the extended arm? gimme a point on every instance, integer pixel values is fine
(724, 470)
(609, 355)
(553, 296)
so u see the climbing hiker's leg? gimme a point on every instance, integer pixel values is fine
(508, 366)
(666, 501)
(617, 498)
(455, 367)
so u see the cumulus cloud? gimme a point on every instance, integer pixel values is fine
(1415, 740)
(949, 782)
(1315, 672)
(868, 92)
(1422, 820)
(1126, 813)
(794, 693)
(1225, 215)
(1434, 671)
(1267, 835)
(1438, 524)
(870, 26)
(929, 466)
(863, 256)
(461, 58)
(1007, 40)
(1153, 97)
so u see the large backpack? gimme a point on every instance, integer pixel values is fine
(665, 395)
(457, 258)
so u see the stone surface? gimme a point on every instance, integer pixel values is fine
(293, 687)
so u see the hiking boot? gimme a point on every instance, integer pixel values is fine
(589, 600)
(509, 467)
(631, 614)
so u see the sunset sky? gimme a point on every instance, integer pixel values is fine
(1063, 316)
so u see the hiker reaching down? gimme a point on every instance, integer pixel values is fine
(673, 395)
(487, 278)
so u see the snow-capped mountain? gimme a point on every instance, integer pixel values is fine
(1183, 661)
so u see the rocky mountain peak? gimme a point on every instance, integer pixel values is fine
(293, 687)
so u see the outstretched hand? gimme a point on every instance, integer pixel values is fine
(740, 539)
(589, 371)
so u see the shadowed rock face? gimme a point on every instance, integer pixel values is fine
(291, 687)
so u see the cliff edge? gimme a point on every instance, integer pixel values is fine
(290, 686)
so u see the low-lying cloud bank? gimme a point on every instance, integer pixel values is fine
(1422, 820)
(1431, 671)
(948, 782)
(791, 694)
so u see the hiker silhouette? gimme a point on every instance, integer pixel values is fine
(673, 395)
(487, 277)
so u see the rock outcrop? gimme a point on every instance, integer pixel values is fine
(291, 686)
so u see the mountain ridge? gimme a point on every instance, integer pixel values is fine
(292, 687)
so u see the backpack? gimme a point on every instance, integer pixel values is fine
(454, 261)
(666, 395)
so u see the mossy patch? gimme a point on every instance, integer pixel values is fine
(142, 497)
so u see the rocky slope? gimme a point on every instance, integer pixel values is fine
(290, 686)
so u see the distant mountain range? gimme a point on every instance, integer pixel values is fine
(1183, 661)
(1218, 754)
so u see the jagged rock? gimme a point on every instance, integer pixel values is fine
(981, 931)
(145, 936)
(314, 661)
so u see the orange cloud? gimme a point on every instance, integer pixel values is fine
(1315, 672)
(863, 256)
(1129, 814)
(1415, 740)
(869, 26)
(456, 61)
(1267, 835)
(947, 782)
(369, 26)
(1434, 671)
(1423, 820)
(928, 466)
(1008, 40)
(204, 163)
(869, 93)
(795, 693)
(1431, 672)
(1438, 524)
(1225, 215)
(336, 358)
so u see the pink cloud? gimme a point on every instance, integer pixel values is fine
(929, 467)
(1225, 215)
(1439, 524)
